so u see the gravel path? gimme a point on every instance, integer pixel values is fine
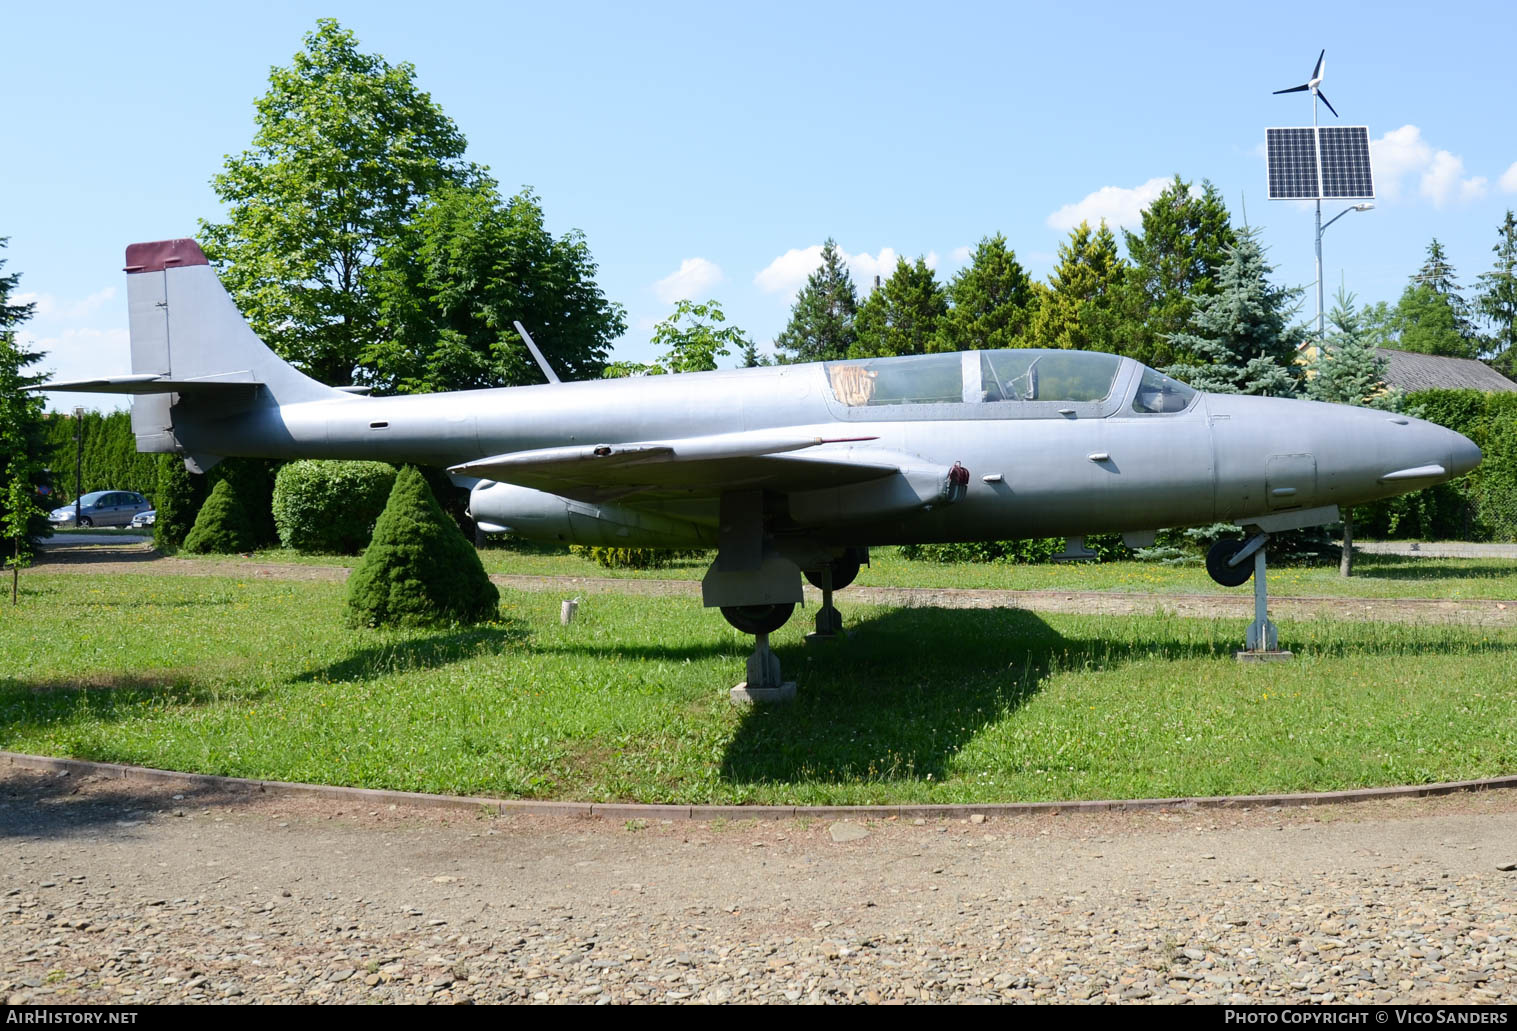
(109, 559)
(138, 893)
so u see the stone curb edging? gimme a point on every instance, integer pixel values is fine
(635, 811)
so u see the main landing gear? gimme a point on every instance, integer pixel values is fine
(832, 576)
(765, 682)
(1231, 562)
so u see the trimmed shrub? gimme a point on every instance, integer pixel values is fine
(1107, 546)
(330, 507)
(177, 499)
(253, 480)
(222, 525)
(419, 570)
(633, 558)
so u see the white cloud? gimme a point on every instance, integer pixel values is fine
(1403, 153)
(49, 306)
(961, 254)
(693, 277)
(79, 352)
(1509, 179)
(866, 266)
(1118, 206)
(789, 272)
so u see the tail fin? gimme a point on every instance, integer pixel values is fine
(192, 349)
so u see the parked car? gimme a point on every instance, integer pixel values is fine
(102, 508)
(144, 519)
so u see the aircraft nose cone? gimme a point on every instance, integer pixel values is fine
(1465, 455)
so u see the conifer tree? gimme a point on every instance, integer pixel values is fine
(222, 527)
(821, 320)
(21, 431)
(1347, 371)
(1240, 336)
(177, 498)
(418, 570)
(990, 301)
(1497, 299)
(1433, 316)
(1175, 258)
(1081, 309)
(902, 316)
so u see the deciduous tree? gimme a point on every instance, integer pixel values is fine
(695, 336)
(346, 149)
(457, 277)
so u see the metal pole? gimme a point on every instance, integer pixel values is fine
(1319, 273)
(78, 460)
(1317, 144)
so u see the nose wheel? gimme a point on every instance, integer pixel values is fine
(1231, 562)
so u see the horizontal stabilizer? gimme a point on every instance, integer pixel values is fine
(149, 383)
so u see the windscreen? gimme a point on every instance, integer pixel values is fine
(1158, 393)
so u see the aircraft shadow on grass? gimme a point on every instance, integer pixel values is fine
(905, 695)
(916, 685)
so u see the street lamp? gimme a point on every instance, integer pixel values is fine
(1322, 228)
(79, 459)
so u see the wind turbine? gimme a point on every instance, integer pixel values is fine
(1312, 84)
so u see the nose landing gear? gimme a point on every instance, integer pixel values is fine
(1228, 564)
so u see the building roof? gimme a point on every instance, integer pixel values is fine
(1411, 371)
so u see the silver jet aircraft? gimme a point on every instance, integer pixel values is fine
(789, 470)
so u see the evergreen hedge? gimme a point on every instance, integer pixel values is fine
(330, 507)
(1481, 505)
(418, 570)
(222, 527)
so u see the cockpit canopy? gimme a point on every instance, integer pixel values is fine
(992, 377)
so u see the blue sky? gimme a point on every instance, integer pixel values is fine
(705, 149)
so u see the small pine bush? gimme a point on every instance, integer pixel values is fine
(222, 526)
(177, 499)
(418, 570)
(330, 507)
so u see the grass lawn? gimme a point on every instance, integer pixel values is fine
(259, 678)
(1376, 576)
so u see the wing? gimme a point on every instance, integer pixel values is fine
(809, 468)
(692, 466)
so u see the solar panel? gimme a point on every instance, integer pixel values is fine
(1343, 172)
(1346, 161)
(1292, 157)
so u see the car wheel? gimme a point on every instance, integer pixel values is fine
(86, 522)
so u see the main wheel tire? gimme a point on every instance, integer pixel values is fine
(86, 521)
(1224, 574)
(845, 570)
(758, 619)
